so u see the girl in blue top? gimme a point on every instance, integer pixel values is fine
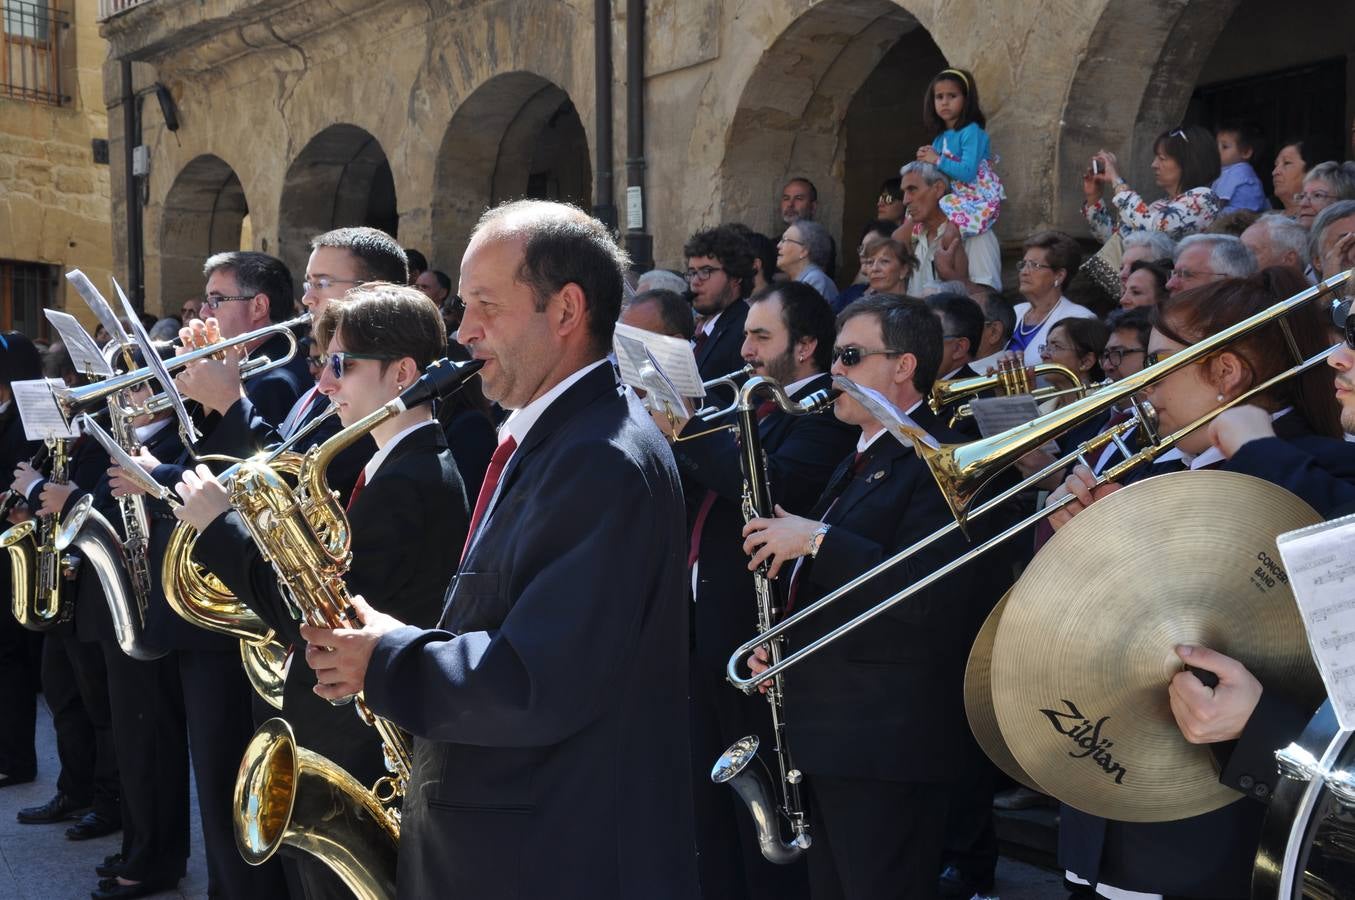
(961, 151)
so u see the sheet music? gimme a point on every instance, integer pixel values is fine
(157, 365)
(674, 356)
(85, 355)
(98, 305)
(641, 370)
(1320, 562)
(895, 420)
(120, 457)
(995, 415)
(41, 416)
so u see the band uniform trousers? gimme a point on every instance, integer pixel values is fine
(75, 681)
(20, 664)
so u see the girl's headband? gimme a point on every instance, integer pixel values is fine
(958, 74)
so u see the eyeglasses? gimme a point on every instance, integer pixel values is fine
(1116, 356)
(887, 198)
(695, 276)
(315, 362)
(324, 283)
(852, 356)
(786, 240)
(341, 362)
(953, 337)
(1055, 347)
(212, 301)
(1154, 357)
(1181, 133)
(1341, 318)
(1031, 264)
(1188, 275)
(1314, 196)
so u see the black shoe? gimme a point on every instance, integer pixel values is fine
(58, 809)
(956, 884)
(94, 824)
(129, 891)
(111, 867)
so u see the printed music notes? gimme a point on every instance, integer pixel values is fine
(673, 356)
(85, 355)
(1321, 566)
(38, 409)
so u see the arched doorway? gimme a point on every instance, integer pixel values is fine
(203, 214)
(517, 135)
(341, 177)
(809, 109)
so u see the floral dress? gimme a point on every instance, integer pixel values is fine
(1190, 213)
(976, 192)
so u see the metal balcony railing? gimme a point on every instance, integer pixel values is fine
(110, 8)
(30, 51)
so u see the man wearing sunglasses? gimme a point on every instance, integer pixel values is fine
(410, 507)
(877, 811)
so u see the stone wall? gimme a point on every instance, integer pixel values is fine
(54, 200)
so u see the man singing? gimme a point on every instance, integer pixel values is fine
(549, 710)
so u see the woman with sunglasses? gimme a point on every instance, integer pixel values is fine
(409, 506)
(1291, 436)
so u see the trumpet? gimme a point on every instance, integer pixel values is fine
(962, 470)
(72, 401)
(1007, 381)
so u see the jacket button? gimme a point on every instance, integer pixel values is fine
(1261, 791)
(1246, 782)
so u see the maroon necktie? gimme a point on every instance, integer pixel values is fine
(357, 489)
(765, 409)
(487, 488)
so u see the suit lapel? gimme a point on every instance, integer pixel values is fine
(882, 458)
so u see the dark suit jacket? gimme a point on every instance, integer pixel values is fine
(886, 701)
(472, 439)
(801, 452)
(722, 352)
(551, 705)
(14, 449)
(404, 524)
(1211, 855)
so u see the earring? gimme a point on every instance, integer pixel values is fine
(1219, 398)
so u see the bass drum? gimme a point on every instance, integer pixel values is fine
(1308, 841)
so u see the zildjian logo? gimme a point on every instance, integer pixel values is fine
(1086, 734)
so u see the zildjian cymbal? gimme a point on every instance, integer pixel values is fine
(1085, 646)
(978, 701)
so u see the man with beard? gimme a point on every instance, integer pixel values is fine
(719, 276)
(788, 337)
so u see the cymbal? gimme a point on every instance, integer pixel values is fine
(1085, 646)
(978, 701)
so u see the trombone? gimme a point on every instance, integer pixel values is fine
(962, 470)
(73, 401)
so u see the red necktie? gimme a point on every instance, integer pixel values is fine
(357, 489)
(765, 409)
(699, 341)
(488, 486)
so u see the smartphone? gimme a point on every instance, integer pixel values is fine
(1096, 166)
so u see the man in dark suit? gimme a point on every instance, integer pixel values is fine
(549, 709)
(788, 337)
(961, 330)
(877, 718)
(410, 507)
(720, 276)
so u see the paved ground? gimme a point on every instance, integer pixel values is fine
(40, 864)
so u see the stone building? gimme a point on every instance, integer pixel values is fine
(54, 198)
(299, 115)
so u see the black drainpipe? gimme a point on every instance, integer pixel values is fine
(605, 206)
(639, 243)
(131, 137)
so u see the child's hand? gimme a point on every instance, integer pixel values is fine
(927, 153)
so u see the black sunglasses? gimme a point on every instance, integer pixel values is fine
(852, 356)
(1341, 318)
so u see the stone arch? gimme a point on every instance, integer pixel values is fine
(516, 135)
(790, 114)
(1125, 92)
(341, 177)
(202, 214)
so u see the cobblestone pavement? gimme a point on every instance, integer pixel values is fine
(40, 864)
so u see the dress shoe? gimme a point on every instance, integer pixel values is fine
(58, 809)
(111, 867)
(92, 825)
(130, 891)
(955, 883)
(7, 780)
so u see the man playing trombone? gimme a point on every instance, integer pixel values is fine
(877, 720)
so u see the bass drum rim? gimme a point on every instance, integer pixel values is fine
(1287, 832)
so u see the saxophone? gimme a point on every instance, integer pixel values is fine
(38, 563)
(753, 783)
(286, 795)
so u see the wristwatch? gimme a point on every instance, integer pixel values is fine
(816, 541)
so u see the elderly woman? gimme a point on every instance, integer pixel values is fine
(1185, 163)
(803, 252)
(1290, 437)
(1324, 184)
(890, 265)
(1144, 245)
(1296, 158)
(1146, 285)
(1050, 259)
